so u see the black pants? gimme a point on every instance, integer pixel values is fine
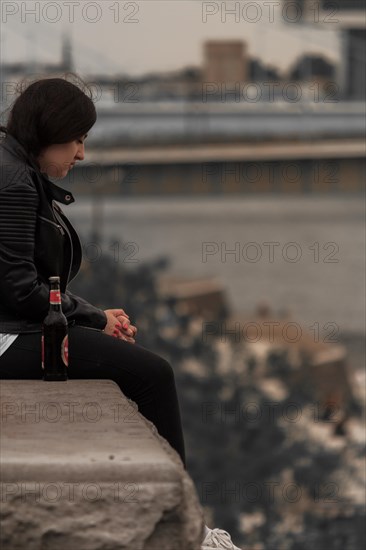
(142, 376)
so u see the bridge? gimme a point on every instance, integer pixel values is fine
(209, 148)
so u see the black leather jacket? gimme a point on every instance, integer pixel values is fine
(36, 241)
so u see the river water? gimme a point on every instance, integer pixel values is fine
(304, 254)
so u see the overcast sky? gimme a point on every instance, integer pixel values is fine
(115, 37)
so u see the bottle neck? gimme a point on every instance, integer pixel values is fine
(55, 307)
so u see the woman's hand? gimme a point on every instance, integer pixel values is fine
(119, 325)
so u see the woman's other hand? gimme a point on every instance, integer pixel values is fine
(119, 325)
(128, 330)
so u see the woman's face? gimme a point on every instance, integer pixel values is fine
(56, 160)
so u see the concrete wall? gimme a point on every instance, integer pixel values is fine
(82, 469)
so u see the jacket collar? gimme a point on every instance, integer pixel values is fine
(54, 191)
(57, 193)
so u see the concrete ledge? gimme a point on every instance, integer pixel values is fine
(82, 469)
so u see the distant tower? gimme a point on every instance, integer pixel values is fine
(225, 61)
(67, 62)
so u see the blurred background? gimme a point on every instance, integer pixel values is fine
(221, 204)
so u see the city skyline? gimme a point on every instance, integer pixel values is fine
(158, 40)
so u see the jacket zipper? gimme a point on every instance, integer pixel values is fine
(53, 223)
(57, 215)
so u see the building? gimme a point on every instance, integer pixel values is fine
(225, 61)
(348, 17)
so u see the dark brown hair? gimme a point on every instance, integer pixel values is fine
(50, 111)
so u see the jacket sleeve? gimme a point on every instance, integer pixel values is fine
(84, 313)
(21, 289)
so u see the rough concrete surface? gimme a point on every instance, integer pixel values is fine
(82, 469)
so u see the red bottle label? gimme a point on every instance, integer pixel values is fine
(65, 350)
(55, 297)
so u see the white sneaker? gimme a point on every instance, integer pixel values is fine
(219, 539)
